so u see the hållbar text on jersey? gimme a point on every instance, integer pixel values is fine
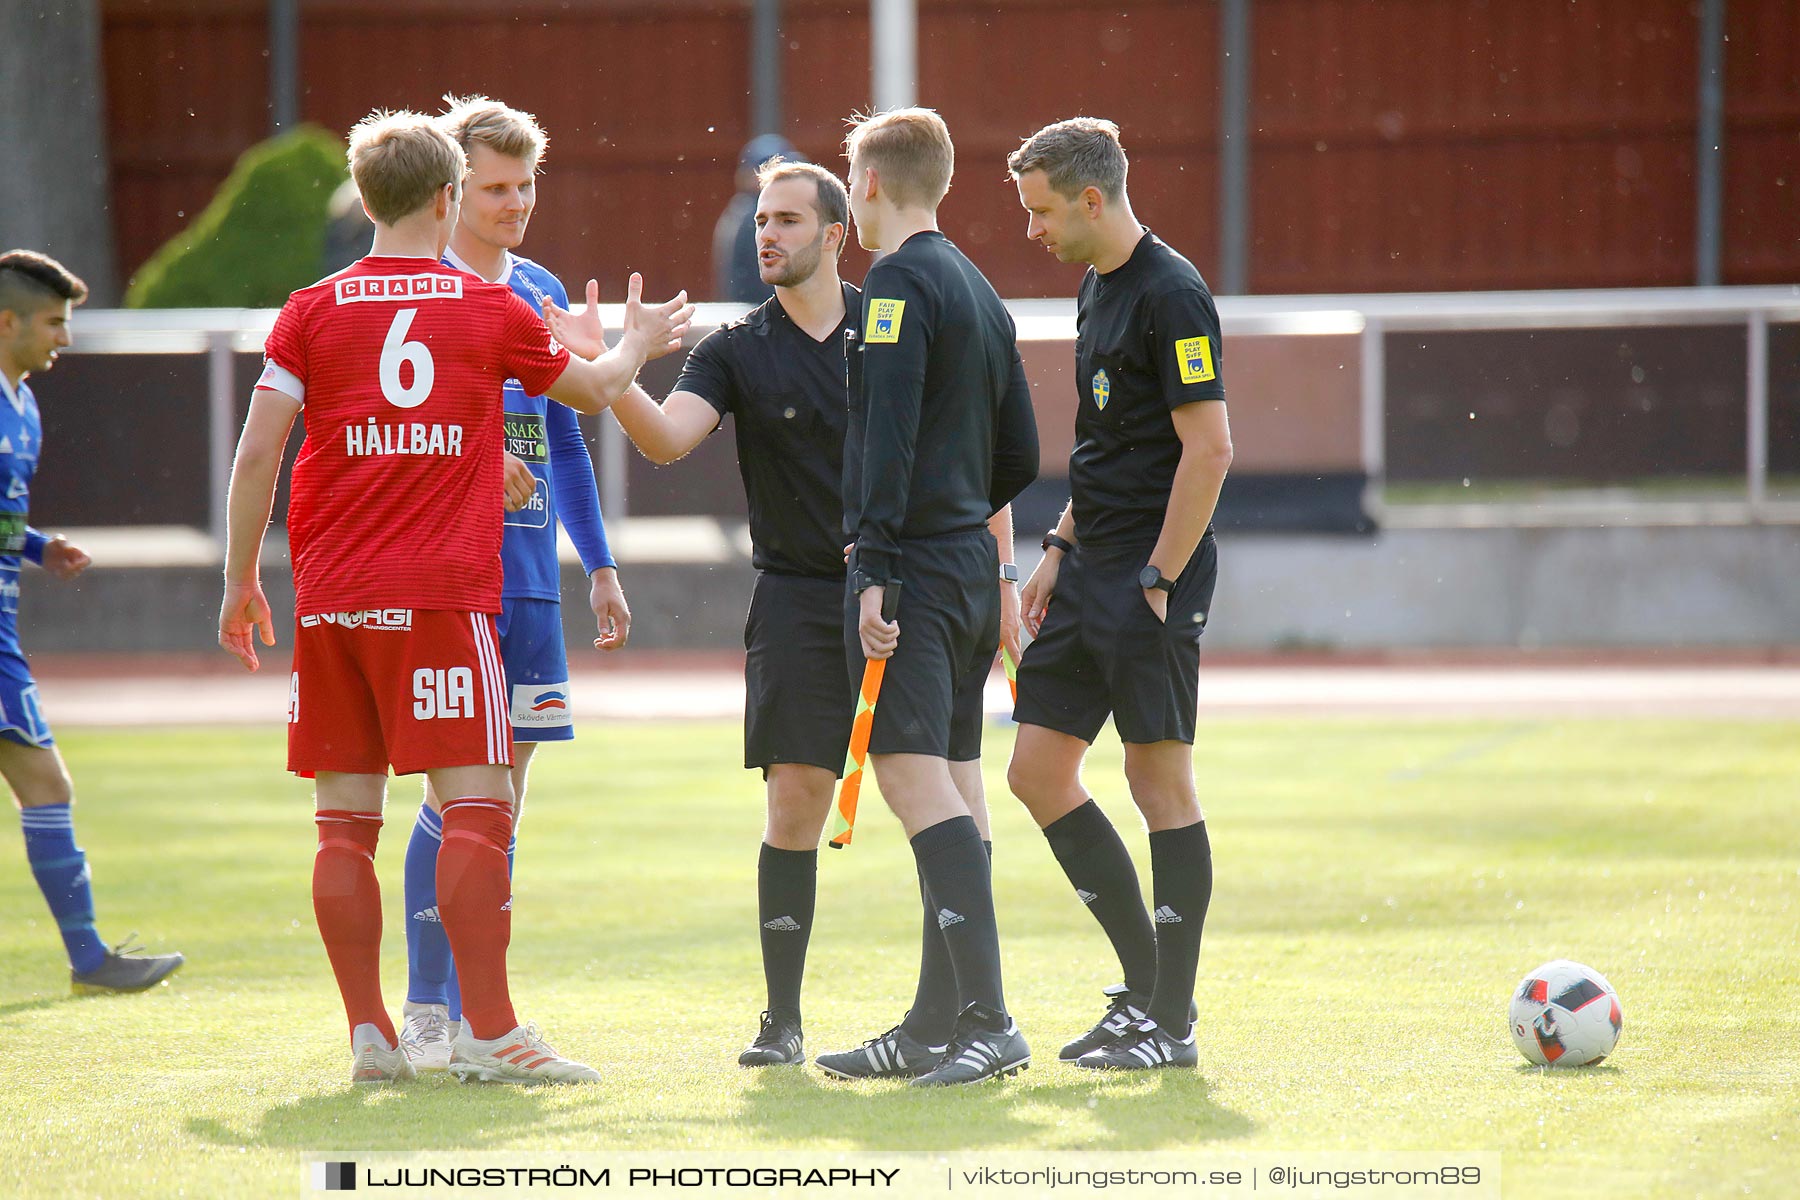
(403, 437)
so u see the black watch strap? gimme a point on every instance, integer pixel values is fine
(1061, 543)
(1150, 577)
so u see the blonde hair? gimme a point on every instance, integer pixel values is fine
(504, 130)
(911, 150)
(400, 160)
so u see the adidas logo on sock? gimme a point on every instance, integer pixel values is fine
(1167, 916)
(946, 918)
(507, 907)
(427, 914)
(1085, 896)
(783, 925)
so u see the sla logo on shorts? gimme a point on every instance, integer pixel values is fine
(443, 694)
(884, 321)
(1194, 357)
(541, 705)
(395, 620)
(1102, 389)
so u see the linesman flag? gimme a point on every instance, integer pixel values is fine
(843, 817)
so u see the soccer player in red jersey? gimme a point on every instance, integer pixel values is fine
(395, 527)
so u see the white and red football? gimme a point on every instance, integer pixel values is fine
(1565, 1015)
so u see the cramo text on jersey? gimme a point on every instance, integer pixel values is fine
(403, 437)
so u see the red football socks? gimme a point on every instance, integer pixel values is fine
(347, 905)
(473, 902)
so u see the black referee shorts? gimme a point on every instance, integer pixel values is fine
(1102, 651)
(797, 707)
(931, 694)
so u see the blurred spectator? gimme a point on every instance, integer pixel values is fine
(348, 232)
(735, 276)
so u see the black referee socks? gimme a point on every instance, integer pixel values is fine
(786, 888)
(954, 867)
(936, 1004)
(1098, 865)
(1181, 882)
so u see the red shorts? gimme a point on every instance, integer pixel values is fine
(409, 688)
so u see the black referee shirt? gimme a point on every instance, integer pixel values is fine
(786, 394)
(942, 434)
(1146, 342)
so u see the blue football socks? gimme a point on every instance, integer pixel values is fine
(61, 871)
(427, 945)
(431, 971)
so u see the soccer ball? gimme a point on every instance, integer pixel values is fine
(1564, 1015)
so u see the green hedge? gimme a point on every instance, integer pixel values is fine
(262, 236)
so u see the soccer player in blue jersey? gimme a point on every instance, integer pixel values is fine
(36, 296)
(548, 453)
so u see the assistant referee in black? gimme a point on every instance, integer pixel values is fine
(1121, 598)
(941, 437)
(779, 373)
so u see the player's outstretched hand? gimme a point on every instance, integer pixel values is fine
(1034, 600)
(521, 484)
(612, 616)
(879, 636)
(64, 559)
(245, 611)
(658, 327)
(585, 336)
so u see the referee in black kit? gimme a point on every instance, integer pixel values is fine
(1119, 602)
(941, 438)
(779, 373)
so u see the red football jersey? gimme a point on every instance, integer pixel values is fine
(397, 497)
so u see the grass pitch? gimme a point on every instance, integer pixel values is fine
(1381, 888)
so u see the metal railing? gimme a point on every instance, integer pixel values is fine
(222, 333)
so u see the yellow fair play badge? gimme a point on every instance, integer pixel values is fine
(884, 321)
(1194, 357)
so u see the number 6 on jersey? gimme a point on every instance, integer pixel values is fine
(397, 350)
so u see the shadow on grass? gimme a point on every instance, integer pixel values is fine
(1567, 1072)
(466, 1116)
(1134, 1112)
(20, 1006)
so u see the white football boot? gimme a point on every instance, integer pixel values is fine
(521, 1056)
(374, 1061)
(426, 1036)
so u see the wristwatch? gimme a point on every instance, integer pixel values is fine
(1061, 543)
(1009, 572)
(1150, 577)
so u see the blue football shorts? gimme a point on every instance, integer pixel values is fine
(21, 717)
(537, 669)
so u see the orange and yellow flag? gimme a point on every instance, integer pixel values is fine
(843, 817)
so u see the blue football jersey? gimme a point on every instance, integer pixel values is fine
(547, 436)
(21, 432)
